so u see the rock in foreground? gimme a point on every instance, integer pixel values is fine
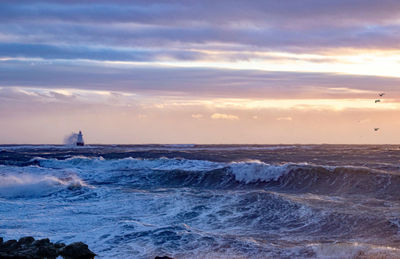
(29, 248)
(77, 250)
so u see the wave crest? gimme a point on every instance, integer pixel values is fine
(202, 173)
(255, 171)
(31, 185)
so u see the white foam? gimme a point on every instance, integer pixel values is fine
(163, 164)
(354, 250)
(35, 185)
(247, 172)
(254, 171)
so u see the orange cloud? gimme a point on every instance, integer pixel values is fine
(224, 116)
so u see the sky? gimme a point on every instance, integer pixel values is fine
(205, 72)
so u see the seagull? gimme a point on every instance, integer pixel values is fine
(381, 94)
(377, 101)
(376, 129)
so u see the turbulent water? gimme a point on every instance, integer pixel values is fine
(193, 201)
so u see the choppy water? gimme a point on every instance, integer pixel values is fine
(192, 201)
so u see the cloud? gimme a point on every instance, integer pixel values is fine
(199, 82)
(74, 98)
(223, 116)
(46, 51)
(204, 36)
(177, 28)
(160, 12)
(284, 119)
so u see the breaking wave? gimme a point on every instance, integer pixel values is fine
(27, 185)
(202, 173)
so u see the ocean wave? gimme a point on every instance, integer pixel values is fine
(354, 250)
(256, 171)
(202, 173)
(43, 147)
(161, 164)
(33, 185)
(244, 172)
(167, 147)
(192, 147)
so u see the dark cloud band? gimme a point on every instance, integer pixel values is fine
(308, 25)
(191, 81)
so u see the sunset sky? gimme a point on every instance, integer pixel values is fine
(259, 72)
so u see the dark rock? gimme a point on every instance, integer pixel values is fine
(26, 240)
(77, 250)
(28, 248)
(10, 245)
(41, 242)
(28, 254)
(163, 257)
(59, 245)
(7, 256)
(47, 251)
(10, 242)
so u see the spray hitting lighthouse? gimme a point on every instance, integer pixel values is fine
(79, 141)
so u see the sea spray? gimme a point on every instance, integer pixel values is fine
(71, 139)
(30, 185)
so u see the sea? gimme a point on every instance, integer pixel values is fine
(206, 201)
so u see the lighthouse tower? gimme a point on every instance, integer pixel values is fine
(79, 141)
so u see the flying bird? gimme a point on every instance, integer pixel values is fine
(376, 129)
(381, 94)
(377, 101)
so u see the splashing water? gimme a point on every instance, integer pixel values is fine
(71, 139)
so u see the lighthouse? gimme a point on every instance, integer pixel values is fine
(79, 141)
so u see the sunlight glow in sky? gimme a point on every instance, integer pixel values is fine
(380, 64)
(200, 71)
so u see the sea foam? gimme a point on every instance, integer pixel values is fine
(36, 185)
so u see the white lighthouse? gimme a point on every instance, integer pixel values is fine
(79, 141)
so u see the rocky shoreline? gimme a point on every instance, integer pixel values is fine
(29, 248)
